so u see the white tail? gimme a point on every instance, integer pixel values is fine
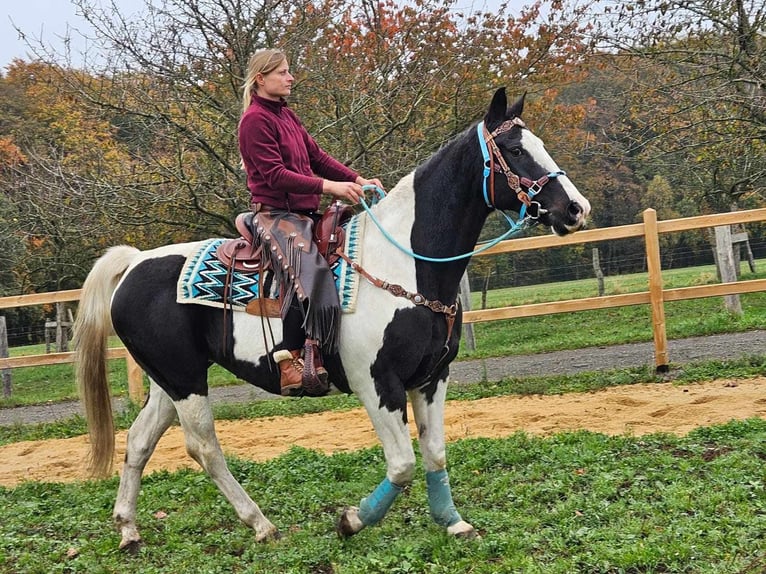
(91, 330)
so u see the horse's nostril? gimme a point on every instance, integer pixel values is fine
(575, 210)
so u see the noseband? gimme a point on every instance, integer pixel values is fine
(516, 183)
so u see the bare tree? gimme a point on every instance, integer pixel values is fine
(698, 89)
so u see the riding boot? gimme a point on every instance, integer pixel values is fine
(314, 374)
(290, 371)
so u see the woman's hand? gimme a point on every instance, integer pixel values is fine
(348, 190)
(375, 181)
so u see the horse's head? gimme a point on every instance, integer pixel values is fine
(520, 175)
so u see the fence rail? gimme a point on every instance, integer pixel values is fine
(655, 296)
(135, 374)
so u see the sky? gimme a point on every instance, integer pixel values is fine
(49, 21)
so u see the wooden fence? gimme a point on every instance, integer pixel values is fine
(655, 296)
(135, 374)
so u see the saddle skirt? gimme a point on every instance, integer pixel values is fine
(205, 280)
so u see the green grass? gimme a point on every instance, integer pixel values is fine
(571, 503)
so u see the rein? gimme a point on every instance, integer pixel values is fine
(487, 143)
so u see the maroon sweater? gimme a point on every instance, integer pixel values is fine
(284, 164)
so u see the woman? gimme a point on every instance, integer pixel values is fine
(287, 172)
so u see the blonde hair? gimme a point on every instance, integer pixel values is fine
(262, 62)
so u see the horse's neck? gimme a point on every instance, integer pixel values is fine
(430, 220)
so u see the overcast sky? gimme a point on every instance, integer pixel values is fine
(48, 20)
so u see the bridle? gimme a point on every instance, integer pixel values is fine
(516, 183)
(529, 208)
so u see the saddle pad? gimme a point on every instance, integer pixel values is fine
(203, 277)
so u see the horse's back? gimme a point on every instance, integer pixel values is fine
(167, 339)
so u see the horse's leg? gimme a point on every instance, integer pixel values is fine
(154, 419)
(429, 417)
(196, 418)
(391, 428)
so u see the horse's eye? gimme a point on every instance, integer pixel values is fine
(516, 151)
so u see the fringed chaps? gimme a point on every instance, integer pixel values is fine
(302, 272)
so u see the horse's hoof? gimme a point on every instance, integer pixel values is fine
(463, 530)
(349, 523)
(131, 547)
(271, 535)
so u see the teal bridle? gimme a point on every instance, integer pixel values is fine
(530, 210)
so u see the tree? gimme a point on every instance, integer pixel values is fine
(698, 89)
(382, 85)
(48, 186)
(139, 145)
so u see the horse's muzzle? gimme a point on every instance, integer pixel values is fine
(572, 219)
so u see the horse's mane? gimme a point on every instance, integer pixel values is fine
(445, 148)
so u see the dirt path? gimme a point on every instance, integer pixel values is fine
(635, 409)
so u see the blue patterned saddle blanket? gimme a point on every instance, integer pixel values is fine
(203, 277)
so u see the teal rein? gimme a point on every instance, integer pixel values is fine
(515, 228)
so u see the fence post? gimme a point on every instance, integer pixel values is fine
(597, 270)
(727, 266)
(6, 373)
(135, 380)
(654, 267)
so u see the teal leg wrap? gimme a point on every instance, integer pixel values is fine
(373, 508)
(443, 509)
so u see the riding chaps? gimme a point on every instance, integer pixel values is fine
(301, 271)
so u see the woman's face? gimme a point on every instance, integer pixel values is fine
(276, 84)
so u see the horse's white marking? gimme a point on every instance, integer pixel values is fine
(249, 344)
(429, 419)
(535, 147)
(150, 424)
(196, 418)
(396, 215)
(362, 333)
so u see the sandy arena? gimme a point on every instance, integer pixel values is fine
(634, 410)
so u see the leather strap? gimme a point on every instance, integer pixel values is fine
(449, 311)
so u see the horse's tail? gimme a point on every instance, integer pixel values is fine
(91, 330)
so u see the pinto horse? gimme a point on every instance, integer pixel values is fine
(396, 345)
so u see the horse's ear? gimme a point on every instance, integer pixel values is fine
(517, 108)
(496, 113)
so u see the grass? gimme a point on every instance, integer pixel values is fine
(577, 502)
(572, 503)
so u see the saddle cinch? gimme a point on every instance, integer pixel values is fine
(243, 255)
